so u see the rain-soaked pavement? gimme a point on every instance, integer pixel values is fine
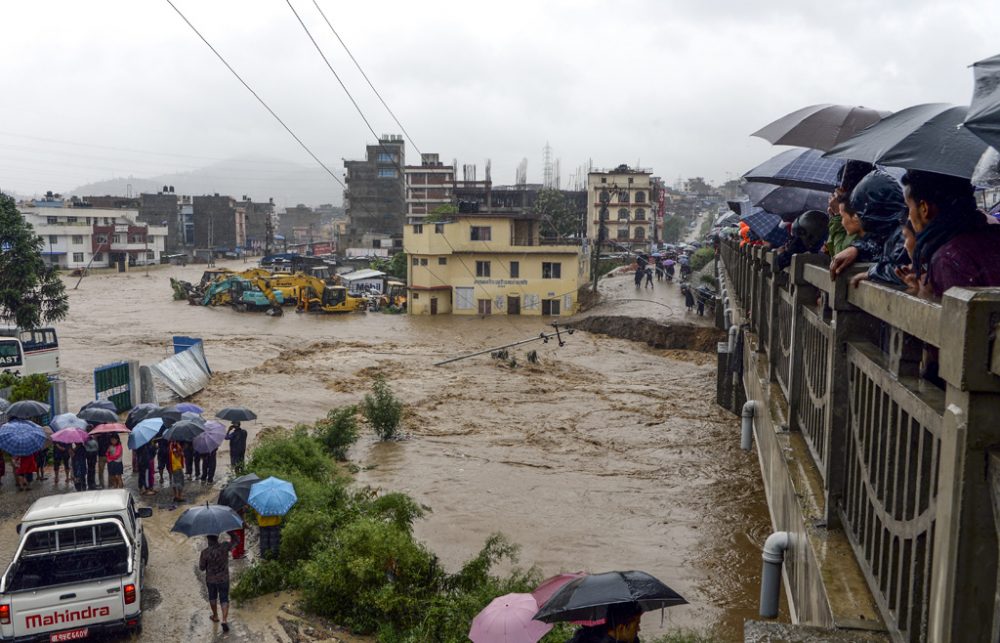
(606, 455)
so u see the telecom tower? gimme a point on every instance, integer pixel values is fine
(547, 165)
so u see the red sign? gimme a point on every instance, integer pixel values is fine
(322, 248)
(71, 635)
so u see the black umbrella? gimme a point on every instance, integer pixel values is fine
(786, 202)
(139, 413)
(236, 493)
(798, 168)
(96, 415)
(923, 137)
(183, 431)
(236, 414)
(26, 409)
(100, 404)
(210, 520)
(983, 118)
(819, 126)
(588, 598)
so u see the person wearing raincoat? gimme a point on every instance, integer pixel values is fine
(877, 208)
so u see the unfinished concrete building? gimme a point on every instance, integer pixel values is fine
(375, 198)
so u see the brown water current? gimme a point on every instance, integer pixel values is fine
(608, 454)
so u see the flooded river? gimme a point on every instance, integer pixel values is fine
(606, 455)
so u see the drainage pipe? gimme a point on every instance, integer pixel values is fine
(770, 579)
(746, 425)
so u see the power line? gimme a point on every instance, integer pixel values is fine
(358, 65)
(333, 71)
(255, 95)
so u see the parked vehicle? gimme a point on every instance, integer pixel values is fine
(27, 352)
(78, 570)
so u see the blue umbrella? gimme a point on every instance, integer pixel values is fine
(21, 437)
(143, 432)
(767, 226)
(188, 407)
(67, 421)
(210, 520)
(272, 497)
(798, 168)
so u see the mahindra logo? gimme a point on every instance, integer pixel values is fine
(67, 616)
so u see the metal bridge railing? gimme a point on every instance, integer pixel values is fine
(903, 460)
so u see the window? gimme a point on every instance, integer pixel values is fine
(640, 233)
(77, 239)
(515, 269)
(101, 238)
(623, 196)
(418, 229)
(99, 256)
(78, 257)
(550, 306)
(640, 197)
(464, 299)
(438, 228)
(423, 261)
(415, 261)
(630, 179)
(481, 233)
(386, 173)
(623, 234)
(385, 158)
(53, 238)
(70, 219)
(150, 255)
(442, 261)
(485, 306)
(640, 215)
(416, 295)
(604, 179)
(51, 220)
(482, 268)
(551, 270)
(623, 214)
(117, 238)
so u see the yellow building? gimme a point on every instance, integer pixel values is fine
(491, 264)
(629, 214)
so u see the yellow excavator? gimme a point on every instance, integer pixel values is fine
(315, 295)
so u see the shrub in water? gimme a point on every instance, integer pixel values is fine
(382, 409)
(263, 577)
(338, 431)
(701, 258)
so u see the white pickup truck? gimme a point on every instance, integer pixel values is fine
(78, 569)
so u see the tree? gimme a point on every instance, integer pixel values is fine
(440, 213)
(557, 212)
(673, 228)
(31, 293)
(394, 267)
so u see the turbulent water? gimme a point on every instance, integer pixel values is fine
(608, 454)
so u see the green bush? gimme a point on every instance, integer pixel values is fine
(30, 387)
(263, 577)
(371, 575)
(284, 452)
(701, 258)
(338, 431)
(382, 409)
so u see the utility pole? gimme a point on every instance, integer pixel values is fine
(602, 216)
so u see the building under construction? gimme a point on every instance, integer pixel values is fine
(375, 198)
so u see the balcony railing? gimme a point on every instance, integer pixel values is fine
(905, 464)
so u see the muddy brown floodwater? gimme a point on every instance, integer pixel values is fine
(608, 454)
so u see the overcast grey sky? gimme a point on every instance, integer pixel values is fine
(675, 86)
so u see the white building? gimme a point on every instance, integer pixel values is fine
(95, 237)
(428, 185)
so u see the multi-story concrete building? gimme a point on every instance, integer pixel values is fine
(162, 208)
(428, 186)
(491, 263)
(375, 198)
(300, 224)
(624, 219)
(260, 224)
(77, 237)
(219, 222)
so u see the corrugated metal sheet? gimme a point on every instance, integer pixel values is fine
(186, 372)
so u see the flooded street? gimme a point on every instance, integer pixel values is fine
(606, 455)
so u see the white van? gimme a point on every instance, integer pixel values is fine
(78, 569)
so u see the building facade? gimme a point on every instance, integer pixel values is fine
(219, 222)
(620, 208)
(163, 208)
(491, 263)
(375, 198)
(79, 237)
(429, 185)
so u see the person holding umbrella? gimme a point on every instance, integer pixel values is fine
(621, 626)
(271, 499)
(79, 467)
(237, 437)
(60, 458)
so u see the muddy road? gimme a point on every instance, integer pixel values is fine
(608, 454)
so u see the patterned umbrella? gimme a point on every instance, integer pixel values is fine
(787, 203)
(798, 168)
(767, 226)
(21, 437)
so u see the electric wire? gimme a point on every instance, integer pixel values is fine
(257, 96)
(363, 74)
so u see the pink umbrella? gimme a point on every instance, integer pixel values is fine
(508, 619)
(548, 588)
(109, 428)
(70, 436)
